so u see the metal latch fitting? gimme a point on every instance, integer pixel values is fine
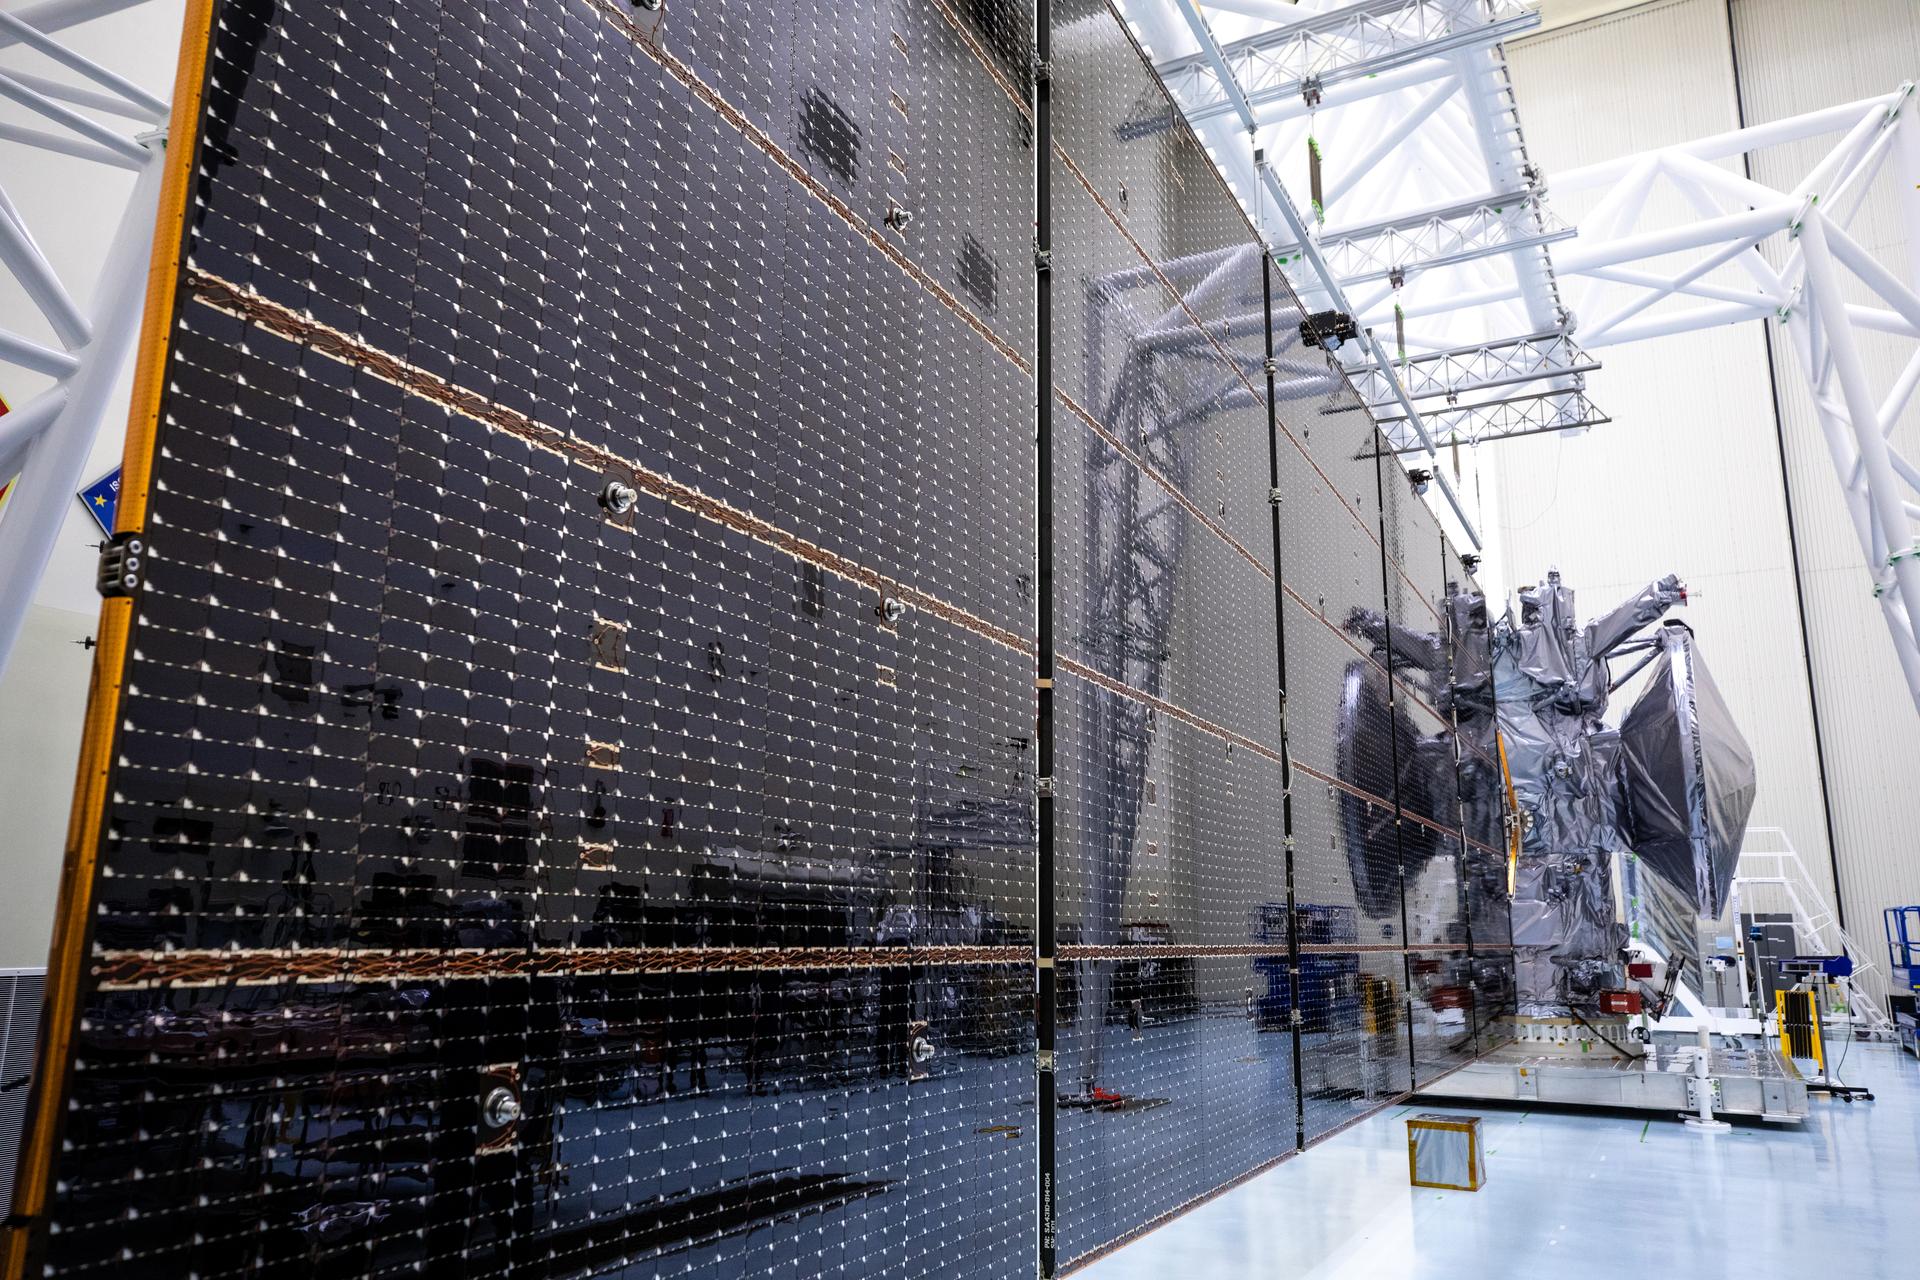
(122, 565)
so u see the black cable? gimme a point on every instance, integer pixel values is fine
(1630, 1057)
(15, 1084)
(1834, 1075)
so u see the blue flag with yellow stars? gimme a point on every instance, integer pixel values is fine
(102, 498)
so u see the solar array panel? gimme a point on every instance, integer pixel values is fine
(621, 719)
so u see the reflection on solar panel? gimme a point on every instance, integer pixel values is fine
(565, 793)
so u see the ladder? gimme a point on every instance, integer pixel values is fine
(1769, 877)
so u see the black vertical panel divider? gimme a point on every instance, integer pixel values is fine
(1280, 679)
(1045, 972)
(1393, 754)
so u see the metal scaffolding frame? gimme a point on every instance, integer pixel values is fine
(1313, 280)
(1463, 279)
(1479, 367)
(44, 443)
(1419, 76)
(1419, 88)
(1524, 415)
(1800, 267)
(1427, 239)
(1354, 45)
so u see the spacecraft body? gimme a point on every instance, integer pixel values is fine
(1673, 783)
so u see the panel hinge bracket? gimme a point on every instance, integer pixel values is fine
(1042, 259)
(1043, 1061)
(1042, 69)
(123, 565)
(1044, 786)
(1275, 497)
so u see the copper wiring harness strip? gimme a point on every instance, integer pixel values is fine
(135, 970)
(247, 305)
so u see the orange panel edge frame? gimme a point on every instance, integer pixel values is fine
(72, 914)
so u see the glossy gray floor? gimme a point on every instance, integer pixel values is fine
(1577, 1196)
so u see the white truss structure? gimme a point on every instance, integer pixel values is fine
(1752, 252)
(1351, 45)
(86, 114)
(1446, 237)
(1426, 178)
(1480, 367)
(1449, 250)
(1410, 110)
(1524, 415)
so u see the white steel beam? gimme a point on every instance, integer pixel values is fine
(1269, 185)
(21, 427)
(1508, 363)
(29, 354)
(131, 154)
(21, 256)
(1735, 142)
(1391, 139)
(81, 96)
(1525, 415)
(60, 144)
(57, 458)
(1488, 90)
(46, 442)
(113, 82)
(50, 16)
(1355, 42)
(1427, 239)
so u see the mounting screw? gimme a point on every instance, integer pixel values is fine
(619, 497)
(898, 218)
(892, 610)
(501, 1109)
(923, 1049)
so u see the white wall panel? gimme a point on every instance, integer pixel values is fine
(1686, 479)
(1795, 57)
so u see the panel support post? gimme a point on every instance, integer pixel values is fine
(1047, 1096)
(1280, 688)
